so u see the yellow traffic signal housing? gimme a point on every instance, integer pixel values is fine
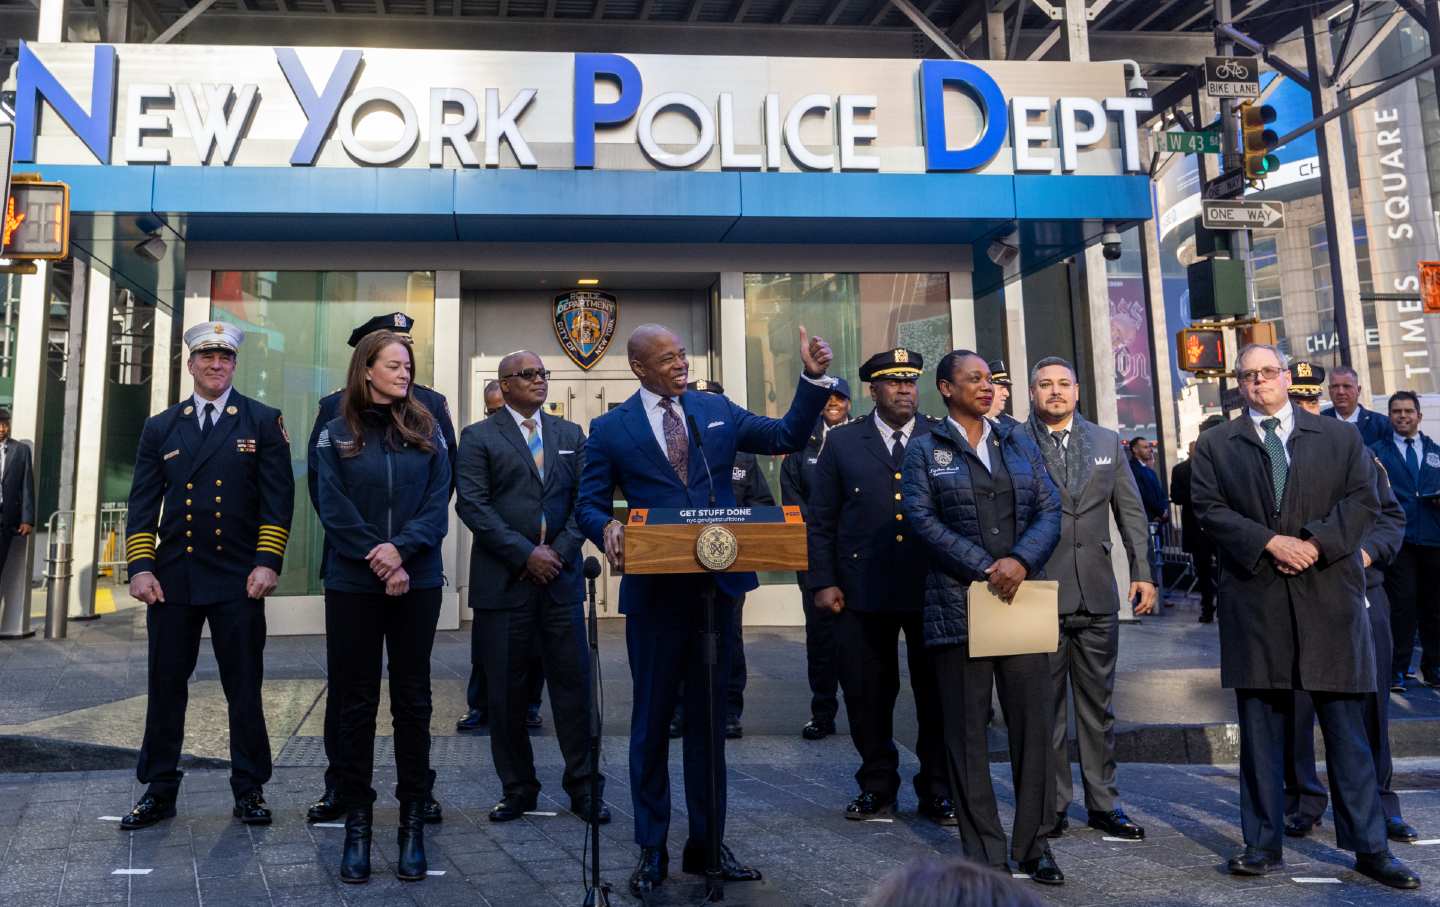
(1258, 141)
(35, 222)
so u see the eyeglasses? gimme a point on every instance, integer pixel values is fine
(1251, 375)
(529, 375)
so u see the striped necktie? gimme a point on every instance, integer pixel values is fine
(537, 451)
(1279, 466)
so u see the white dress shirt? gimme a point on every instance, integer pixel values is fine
(887, 433)
(982, 450)
(1283, 430)
(655, 413)
(1419, 446)
(520, 424)
(1353, 418)
(219, 403)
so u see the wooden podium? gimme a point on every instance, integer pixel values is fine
(715, 540)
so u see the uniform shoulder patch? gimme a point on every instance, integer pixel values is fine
(280, 422)
(324, 439)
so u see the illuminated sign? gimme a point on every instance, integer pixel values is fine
(36, 222)
(1200, 349)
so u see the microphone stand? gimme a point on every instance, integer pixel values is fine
(597, 894)
(710, 652)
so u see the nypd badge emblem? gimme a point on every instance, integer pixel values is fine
(943, 457)
(585, 324)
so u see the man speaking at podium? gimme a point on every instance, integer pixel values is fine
(664, 448)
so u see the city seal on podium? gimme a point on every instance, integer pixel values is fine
(585, 324)
(716, 548)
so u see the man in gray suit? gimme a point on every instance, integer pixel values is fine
(1088, 465)
(517, 475)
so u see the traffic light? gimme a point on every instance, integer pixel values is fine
(1258, 141)
(35, 223)
(1200, 350)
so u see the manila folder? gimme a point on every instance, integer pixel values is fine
(1028, 624)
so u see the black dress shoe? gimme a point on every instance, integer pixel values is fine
(250, 809)
(940, 810)
(355, 858)
(1385, 869)
(869, 806)
(1117, 825)
(1397, 829)
(472, 721)
(677, 727)
(1207, 615)
(1300, 827)
(653, 868)
(532, 716)
(731, 869)
(733, 729)
(815, 729)
(1254, 862)
(1062, 824)
(581, 808)
(1397, 682)
(326, 809)
(430, 811)
(410, 863)
(1042, 869)
(147, 812)
(511, 808)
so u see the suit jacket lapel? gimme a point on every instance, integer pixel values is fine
(1243, 432)
(189, 431)
(550, 442)
(220, 432)
(1080, 459)
(638, 424)
(879, 444)
(511, 432)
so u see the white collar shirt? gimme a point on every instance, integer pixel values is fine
(219, 403)
(655, 414)
(1418, 446)
(1283, 430)
(982, 450)
(887, 434)
(1353, 418)
(520, 423)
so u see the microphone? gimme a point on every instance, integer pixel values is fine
(592, 567)
(709, 477)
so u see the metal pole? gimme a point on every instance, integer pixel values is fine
(1432, 27)
(1231, 156)
(57, 576)
(1327, 195)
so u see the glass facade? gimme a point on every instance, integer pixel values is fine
(296, 326)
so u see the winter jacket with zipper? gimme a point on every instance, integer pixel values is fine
(381, 494)
(940, 505)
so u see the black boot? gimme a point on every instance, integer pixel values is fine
(355, 861)
(410, 867)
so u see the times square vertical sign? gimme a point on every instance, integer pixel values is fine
(1045, 134)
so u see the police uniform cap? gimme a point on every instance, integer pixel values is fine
(214, 335)
(999, 373)
(708, 387)
(398, 322)
(841, 388)
(898, 364)
(1306, 379)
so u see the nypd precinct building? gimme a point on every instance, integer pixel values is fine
(546, 185)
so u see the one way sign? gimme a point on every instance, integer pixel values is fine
(1216, 214)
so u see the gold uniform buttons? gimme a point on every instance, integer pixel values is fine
(897, 495)
(187, 533)
(189, 486)
(857, 489)
(217, 498)
(218, 548)
(899, 516)
(217, 531)
(217, 483)
(188, 517)
(187, 502)
(899, 538)
(217, 514)
(188, 549)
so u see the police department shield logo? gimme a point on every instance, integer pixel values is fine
(585, 324)
(943, 457)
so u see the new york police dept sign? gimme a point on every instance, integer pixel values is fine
(585, 324)
(326, 107)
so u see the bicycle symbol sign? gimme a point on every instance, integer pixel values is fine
(1232, 77)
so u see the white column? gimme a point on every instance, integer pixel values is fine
(28, 367)
(197, 304)
(734, 375)
(90, 447)
(160, 356)
(1160, 372)
(447, 382)
(1102, 353)
(1017, 357)
(962, 310)
(52, 22)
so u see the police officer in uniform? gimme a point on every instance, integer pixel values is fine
(209, 517)
(1000, 378)
(328, 807)
(751, 490)
(797, 477)
(868, 568)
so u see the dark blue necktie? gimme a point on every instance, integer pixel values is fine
(1412, 461)
(207, 421)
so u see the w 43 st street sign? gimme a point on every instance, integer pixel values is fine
(1192, 142)
(1216, 214)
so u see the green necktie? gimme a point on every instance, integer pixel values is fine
(1279, 468)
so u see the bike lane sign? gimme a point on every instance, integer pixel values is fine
(1232, 77)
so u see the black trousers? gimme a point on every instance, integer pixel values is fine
(1412, 583)
(1084, 665)
(820, 660)
(1305, 796)
(1265, 720)
(7, 536)
(237, 635)
(1024, 685)
(558, 632)
(735, 678)
(361, 627)
(867, 644)
(1205, 572)
(477, 691)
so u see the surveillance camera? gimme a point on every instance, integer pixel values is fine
(1110, 243)
(1135, 84)
(152, 248)
(1002, 253)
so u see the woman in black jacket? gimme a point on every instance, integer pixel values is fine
(384, 488)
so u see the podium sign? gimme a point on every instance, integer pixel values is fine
(715, 540)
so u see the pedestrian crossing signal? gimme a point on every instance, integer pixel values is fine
(1200, 350)
(35, 222)
(1258, 141)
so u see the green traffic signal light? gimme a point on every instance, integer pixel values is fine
(1258, 141)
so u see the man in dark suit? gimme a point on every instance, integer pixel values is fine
(477, 694)
(1142, 465)
(1087, 464)
(1413, 462)
(209, 518)
(1289, 499)
(1305, 796)
(1193, 539)
(17, 489)
(797, 479)
(748, 483)
(1345, 397)
(328, 807)
(644, 449)
(518, 473)
(868, 568)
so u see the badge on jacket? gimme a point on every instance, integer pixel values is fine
(1432, 460)
(245, 445)
(944, 457)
